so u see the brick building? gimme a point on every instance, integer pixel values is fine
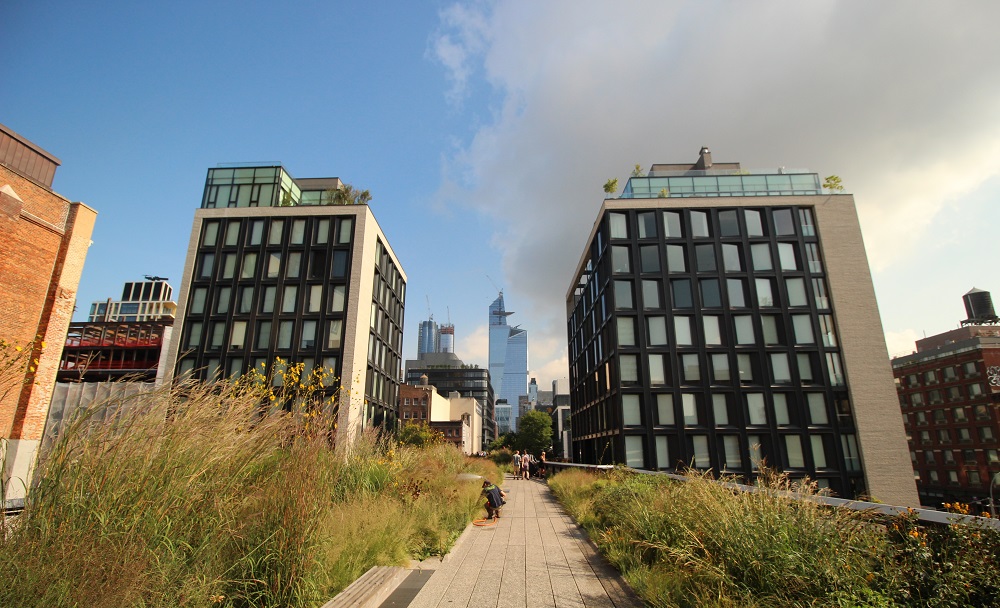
(44, 237)
(949, 390)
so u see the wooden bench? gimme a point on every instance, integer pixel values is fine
(371, 588)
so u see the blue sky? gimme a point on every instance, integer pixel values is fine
(485, 130)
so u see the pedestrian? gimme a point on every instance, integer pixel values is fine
(517, 464)
(525, 464)
(541, 466)
(494, 499)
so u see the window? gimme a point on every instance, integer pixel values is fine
(802, 326)
(760, 255)
(969, 368)
(285, 334)
(629, 371)
(731, 258)
(793, 452)
(713, 335)
(344, 234)
(207, 263)
(211, 235)
(852, 457)
(273, 265)
(620, 259)
(308, 334)
(222, 302)
(618, 223)
(651, 294)
(298, 235)
(781, 417)
(634, 452)
(769, 325)
(689, 403)
(682, 330)
(744, 330)
(232, 234)
(985, 434)
(249, 269)
(699, 451)
(198, 296)
(256, 232)
(631, 410)
(681, 293)
(699, 225)
(338, 298)
(765, 297)
(711, 296)
(796, 288)
(690, 368)
(949, 456)
(662, 454)
(783, 225)
(827, 331)
(657, 373)
(930, 377)
(294, 266)
(812, 256)
(657, 327)
(754, 225)
(975, 390)
(288, 298)
(649, 258)
(665, 409)
(623, 295)
(805, 363)
(786, 256)
(817, 409)
(745, 365)
(237, 337)
(218, 335)
(647, 225)
(756, 414)
(194, 335)
(779, 368)
(339, 263)
(959, 414)
(676, 261)
(737, 291)
(672, 225)
(322, 235)
(626, 331)
(806, 222)
(720, 409)
(334, 333)
(704, 258)
(729, 225)
(819, 294)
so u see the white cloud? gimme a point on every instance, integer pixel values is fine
(474, 346)
(901, 99)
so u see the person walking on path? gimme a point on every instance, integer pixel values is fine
(541, 466)
(517, 464)
(525, 464)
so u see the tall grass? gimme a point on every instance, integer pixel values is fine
(198, 497)
(698, 543)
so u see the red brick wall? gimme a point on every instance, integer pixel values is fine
(44, 247)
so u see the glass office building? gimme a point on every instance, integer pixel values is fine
(508, 358)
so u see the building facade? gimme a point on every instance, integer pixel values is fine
(44, 238)
(508, 358)
(428, 337)
(949, 393)
(275, 270)
(449, 374)
(725, 319)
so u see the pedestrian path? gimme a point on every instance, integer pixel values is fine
(534, 557)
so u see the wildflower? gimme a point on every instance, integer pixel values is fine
(217, 599)
(914, 534)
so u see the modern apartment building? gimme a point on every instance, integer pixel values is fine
(949, 392)
(508, 359)
(44, 238)
(725, 319)
(275, 270)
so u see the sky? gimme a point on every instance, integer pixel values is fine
(486, 130)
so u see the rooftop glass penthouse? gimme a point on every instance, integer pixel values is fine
(720, 179)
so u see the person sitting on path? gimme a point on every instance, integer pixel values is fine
(494, 499)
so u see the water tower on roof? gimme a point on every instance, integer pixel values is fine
(979, 308)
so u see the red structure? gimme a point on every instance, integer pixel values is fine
(108, 351)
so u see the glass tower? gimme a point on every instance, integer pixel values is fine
(508, 358)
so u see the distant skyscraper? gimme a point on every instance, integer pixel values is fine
(508, 358)
(428, 338)
(446, 335)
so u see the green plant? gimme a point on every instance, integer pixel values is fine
(833, 183)
(611, 186)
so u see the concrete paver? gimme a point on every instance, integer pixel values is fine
(534, 557)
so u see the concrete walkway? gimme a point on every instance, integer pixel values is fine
(534, 557)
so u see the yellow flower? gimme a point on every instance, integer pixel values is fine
(914, 534)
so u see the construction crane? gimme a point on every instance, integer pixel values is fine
(430, 315)
(494, 285)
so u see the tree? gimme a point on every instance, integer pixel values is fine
(534, 432)
(833, 183)
(420, 435)
(346, 195)
(611, 186)
(664, 193)
(637, 172)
